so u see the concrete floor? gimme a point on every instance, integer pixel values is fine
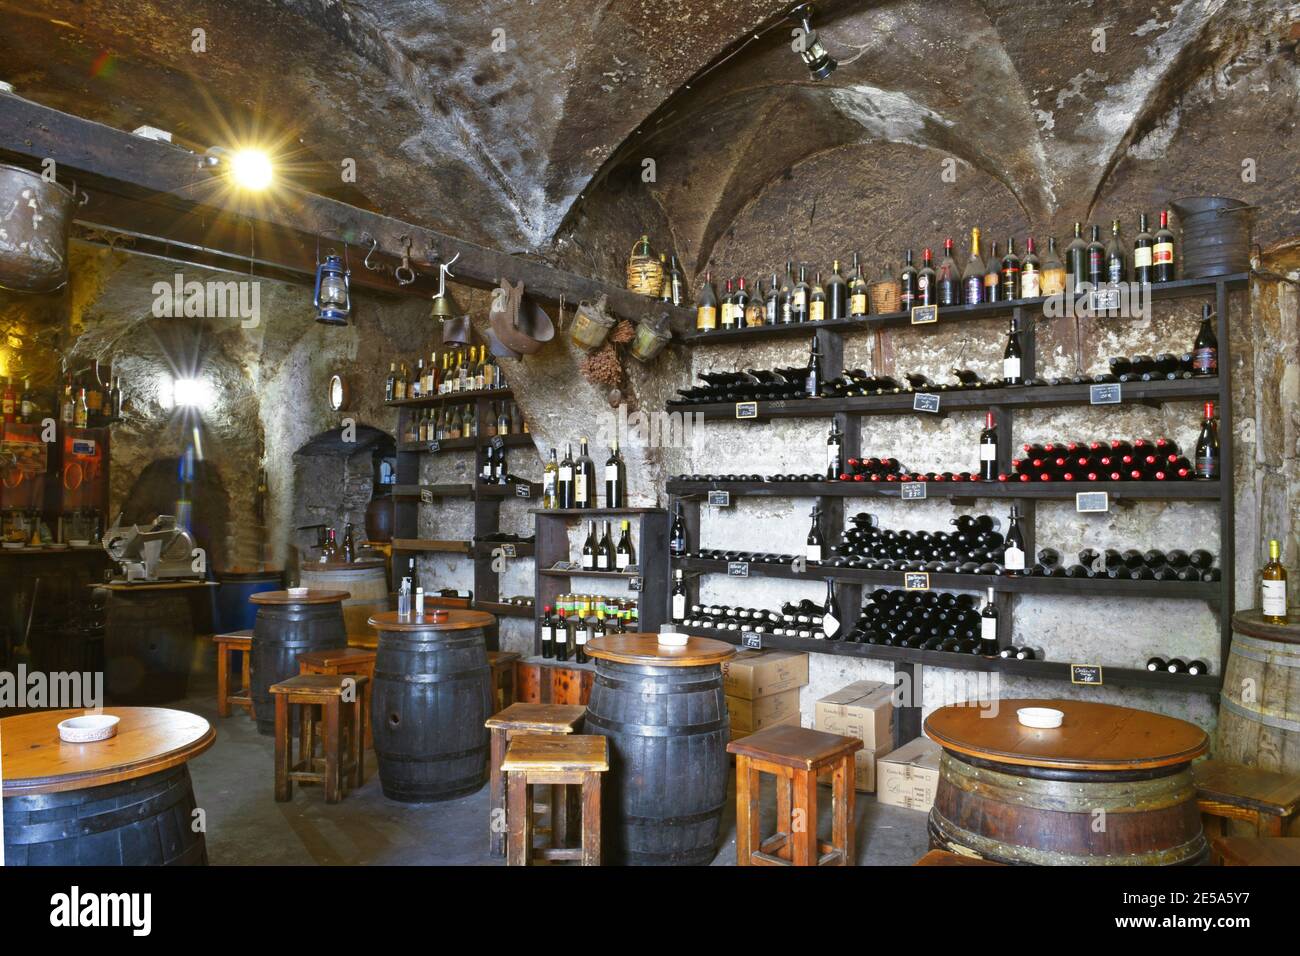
(245, 826)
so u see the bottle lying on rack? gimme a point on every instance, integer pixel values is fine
(1176, 666)
(1130, 564)
(1101, 460)
(922, 620)
(974, 547)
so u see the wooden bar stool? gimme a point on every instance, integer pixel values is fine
(528, 719)
(1265, 799)
(503, 677)
(795, 756)
(549, 760)
(227, 645)
(1257, 851)
(342, 661)
(341, 762)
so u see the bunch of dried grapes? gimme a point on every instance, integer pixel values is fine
(602, 367)
(623, 333)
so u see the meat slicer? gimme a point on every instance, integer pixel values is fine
(161, 552)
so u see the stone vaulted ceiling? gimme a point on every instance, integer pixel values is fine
(506, 146)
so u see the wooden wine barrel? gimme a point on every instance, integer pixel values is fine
(149, 644)
(1112, 786)
(366, 581)
(1259, 706)
(288, 625)
(123, 802)
(431, 694)
(665, 715)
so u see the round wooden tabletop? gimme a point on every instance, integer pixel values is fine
(443, 619)
(313, 596)
(1252, 624)
(148, 740)
(1091, 737)
(645, 649)
(358, 565)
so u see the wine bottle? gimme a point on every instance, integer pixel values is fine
(858, 301)
(1076, 262)
(565, 481)
(1096, 262)
(1205, 350)
(1208, 457)
(740, 304)
(606, 557)
(1011, 355)
(831, 629)
(1052, 280)
(834, 453)
(727, 309)
(562, 636)
(817, 300)
(972, 277)
(989, 449)
(1162, 250)
(925, 280)
(772, 303)
(1013, 554)
(1195, 668)
(706, 307)
(615, 479)
(799, 298)
(989, 627)
(815, 550)
(813, 377)
(1142, 250)
(1030, 273)
(1175, 666)
(1157, 664)
(624, 555)
(786, 296)
(948, 277)
(677, 536)
(837, 294)
(1116, 257)
(548, 633)
(1010, 272)
(679, 597)
(590, 548)
(1273, 602)
(993, 275)
(907, 282)
(582, 633)
(584, 479)
(551, 483)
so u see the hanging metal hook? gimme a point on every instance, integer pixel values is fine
(405, 273)
(374, 244)
(444, 270)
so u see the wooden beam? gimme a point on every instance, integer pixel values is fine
(159, 191)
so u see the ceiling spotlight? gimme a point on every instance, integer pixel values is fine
(249, 169)
(820, 63)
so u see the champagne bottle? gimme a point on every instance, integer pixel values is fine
(1272, 583)
(972, 277)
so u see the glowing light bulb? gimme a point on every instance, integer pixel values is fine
(251, 169)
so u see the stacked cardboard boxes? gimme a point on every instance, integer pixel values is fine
(865, 710)
(762, 689)
(910, 775)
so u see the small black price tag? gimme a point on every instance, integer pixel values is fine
(1086, 674)
(1092, 501)
(912, 490)
(738, 569)
(746, 409)
(1103, 300)
(925, 402)
(720, 499)
(1108, 394)
(523, 491)
(924, 314)
(498, 442)
(508, 550)
(752, 640)
(564, 566)
(435, 447)
(916, 581)
(634, 583)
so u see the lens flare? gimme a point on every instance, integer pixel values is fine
(251, 169)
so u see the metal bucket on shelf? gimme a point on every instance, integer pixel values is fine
(35, 220)
(1216, 235)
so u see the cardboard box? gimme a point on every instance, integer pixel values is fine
(909, 776)
(863, 709)
(793, 718)
(866, 771)
(752, 715)
(754, 674)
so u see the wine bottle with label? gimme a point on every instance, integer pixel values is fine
(606, 557)
(565, 484)
(1076, 262)
(816, 546)
(786, 297)
(837, 294)
(1162, 250)
(582, 633)
(584, 479)
(1273, 587)
(993, 274)
(1013, 555)
(858, 302)
(1011, 356)
(907, 280)
(972, 277)
(989, 449)
(1096, 261)
(550, 482)
(925, 280)
(813, 377)
(1052, 280)
(831, 628)
(624, 556)
(1031, 286)
(677, 536)
(799, 297)
(679, 597)
(548, 633)
(726, 310)
(615, 479)
(817, 300)
(1208, 456)
(563, 633)
(1010, 272)
(740, 303)
(834, 453)
(948, 277)
(706, 307)
(1142, 252)
(989, 628)
(590, 547)
(1116, 257)
(1205, 350)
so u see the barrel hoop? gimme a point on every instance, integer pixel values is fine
(947, 835)
(1257, 716)
(704, 816)
(448, 677)
(432, 758)
(71, 827)
(1266, 652)
(683, 675)
(649, 730)
(1136, 796)
(640, 686)
(1069, 776)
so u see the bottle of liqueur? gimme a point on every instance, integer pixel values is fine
(548, 633)
(1162, 250)
(1031, 285)
(679, 597)
(800, 297)
(831, 628)
(706, 307)
(837, 294)
(925, 280)
(989, 449)
(677, 534)
(590, 547)
(1116, 257)
(728, 309)
(993, 275)
(858, 302)
(907, 283)
(1076, 262)
(1096, 274)
(1272, 583)
(1011, 272)
(1011, 356)
(1052, 280)
(584, 479)
(785, 299)
(1205, 350)
(1208, 458)
(989, 628)
(813, 379)
(972, 277)
(1013, 554)
(81, 414)
(816, 547)
(605, 555)
(834, 453)
(615, 479)
(948, 277)
(624, 556)
(565, 483)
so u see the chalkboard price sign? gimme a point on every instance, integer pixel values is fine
(738, 569)
(720, 499)
(498, 442)
(916, 581)
(1103, 300)
(523, 491)
(912, 490)
(746, 409)
(507, 551)
(1086, 674)
(924, 314)
(1108, 394)
(1092, 501)
(435, 447)
(751, 640)
(634, 583)
(923, 402)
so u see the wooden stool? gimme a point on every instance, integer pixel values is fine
(550, 760)
(795, 756)
(343, 660)
(1263, 798)
(1257, 851)
(948, 858)
(228, 644)
(342, 759)
(503, 677)
(528, 719)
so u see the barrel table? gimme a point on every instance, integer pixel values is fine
(665, 715)
(149, 639)
(1259, 706)
(125, 801)
(431, 695)
(1111, 786)
(288, 625)
(366, 581)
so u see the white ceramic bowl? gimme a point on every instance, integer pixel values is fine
(89, 728)
(1044, 718)
(671, 639)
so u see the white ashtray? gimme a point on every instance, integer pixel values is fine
(298, 592)
(88, 729)
(673, 640)
(80, 542)
(1044, 718)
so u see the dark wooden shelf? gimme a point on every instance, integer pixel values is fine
(613, 575)
(1063, 490)
(1047, 670)
(432, 545)
(1182, 288)
(467, 490)
(452, 398)
(523, 549)
(446, 444)
(596, 512)
(1014, 584)
(501, 609)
